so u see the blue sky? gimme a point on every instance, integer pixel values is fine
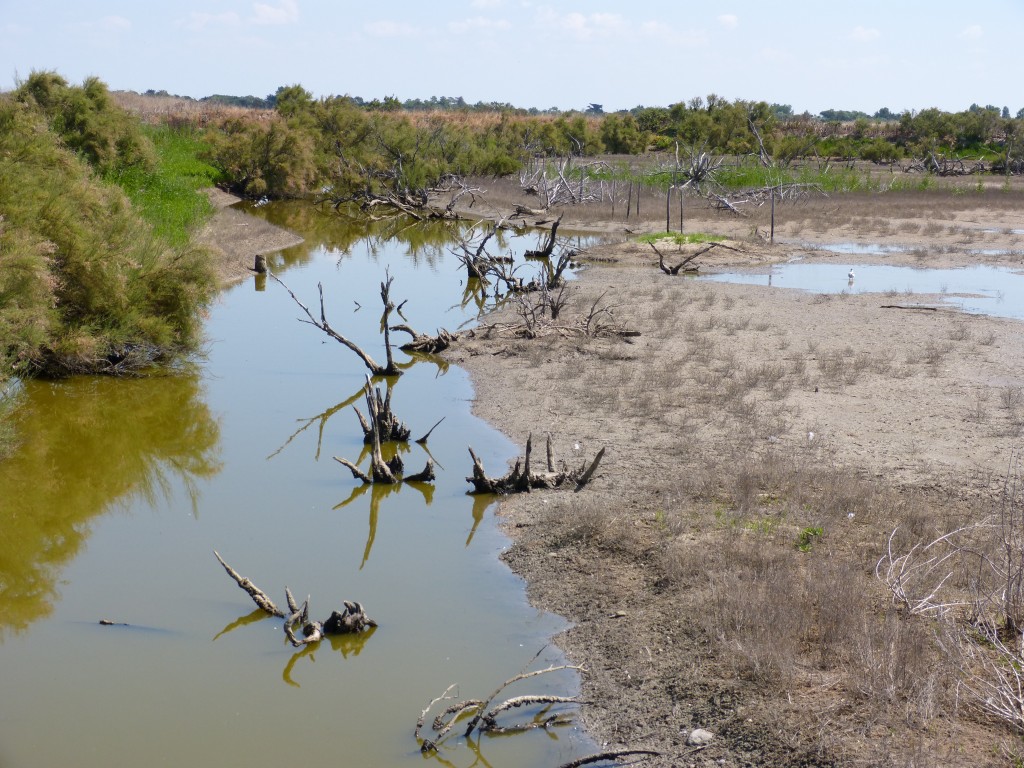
(814, 56)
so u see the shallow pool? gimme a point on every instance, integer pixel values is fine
(996, 291)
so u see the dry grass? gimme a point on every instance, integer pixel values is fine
(761, 544)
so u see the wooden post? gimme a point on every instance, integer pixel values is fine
(681, 193)
(629, 200)
(613, 198)
(772, 237)
(668, 209)
(639, 186)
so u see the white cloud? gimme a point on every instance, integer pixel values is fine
(729, 20)
(199, 21)
(583, 26)
(285, 13)
(865, 34)
(115, 23)
(973, 32)
(664, 33)
(390, 29)
(478, 24)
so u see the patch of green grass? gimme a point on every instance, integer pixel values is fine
(168, 197)
(805, 541)
(681, 238)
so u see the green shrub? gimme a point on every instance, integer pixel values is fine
(268, 157)
(88, 121)
(85, 283)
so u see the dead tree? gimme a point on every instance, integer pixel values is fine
(351, 620)
(474, 255)
(389, 368)
(522, 478)
(549, 247)
(386, 425)
(681, 266)
(387, 472)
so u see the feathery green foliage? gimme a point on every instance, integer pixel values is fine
(85, 283)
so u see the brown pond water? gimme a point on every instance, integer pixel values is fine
(121, 491)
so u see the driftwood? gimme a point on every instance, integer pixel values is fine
(522, 478)
(485, 715)
(389, 368)
(421, 342)
(351, 620)
(920, 307)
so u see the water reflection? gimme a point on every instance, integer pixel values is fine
(94, 443)
(378, 492)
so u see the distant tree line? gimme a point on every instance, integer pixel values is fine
(352, 144)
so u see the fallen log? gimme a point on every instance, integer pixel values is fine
(353, 619)
(919, 307)
(485, 716)
(522, 479)
(422, 342)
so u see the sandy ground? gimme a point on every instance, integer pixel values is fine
(235, 238)
(724, 380)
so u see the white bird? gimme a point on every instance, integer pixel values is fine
(850, 275)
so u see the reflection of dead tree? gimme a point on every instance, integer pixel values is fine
(381, 471)
(349, 621)
(378, 492)
(389, 368)
(522, 478)
(484, 715)
(474, 255)
(320, 420)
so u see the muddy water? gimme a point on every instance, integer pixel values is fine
(122, 490)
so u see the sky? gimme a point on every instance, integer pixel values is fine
(898, 54)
